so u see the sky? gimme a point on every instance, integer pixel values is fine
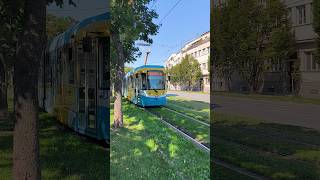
(189, 19)
(84, 8)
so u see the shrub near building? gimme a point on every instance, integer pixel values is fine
(186, 74)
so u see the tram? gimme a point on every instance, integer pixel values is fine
(74, 77)
(145, 86)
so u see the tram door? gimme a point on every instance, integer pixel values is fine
(88, 85)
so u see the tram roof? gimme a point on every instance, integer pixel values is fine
(144, 67)
(83, 26)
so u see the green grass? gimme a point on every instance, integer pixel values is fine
(199, 131)
(274, 150)
(196, 92)
(63, 154)
(289, 98)
(200, 106)
(147, 149)
(221, 173)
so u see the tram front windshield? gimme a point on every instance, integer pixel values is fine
(156, 80)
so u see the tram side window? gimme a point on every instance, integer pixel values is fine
(144, 81)
(71, 72)
(104, 56)
(70, 54)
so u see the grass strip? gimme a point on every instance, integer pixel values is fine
(264, 163)
(199, 131)
(63, 154)
(146, 149)
(289, 98)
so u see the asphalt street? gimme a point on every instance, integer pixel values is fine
(306, 115)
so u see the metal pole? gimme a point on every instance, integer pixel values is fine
(146, 59)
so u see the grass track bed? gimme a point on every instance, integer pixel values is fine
(264, 163)
(221, 173)
(145, 148)
(201, 116)
(63, 154)
(274, 150)
(199, 131)
(293, 99)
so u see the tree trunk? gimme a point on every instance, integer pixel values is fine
(119, 66)
(31, 42)
(3, 92)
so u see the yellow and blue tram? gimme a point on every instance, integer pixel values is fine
(74, 81)
(145, 86)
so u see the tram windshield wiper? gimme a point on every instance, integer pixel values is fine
(155, 90)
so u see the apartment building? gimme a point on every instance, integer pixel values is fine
(199, 48)
(301, 18)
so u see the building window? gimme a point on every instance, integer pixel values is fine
(311, 12)
(308, 61)
(289, 11)
(301, 14)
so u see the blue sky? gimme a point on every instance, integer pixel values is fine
(189, 19)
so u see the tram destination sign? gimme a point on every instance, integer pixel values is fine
(155, 73)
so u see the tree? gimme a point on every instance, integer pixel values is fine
(248, 34)
(10, 18)
(186, 73)
(31, 40)
(226, 39)
(316, 27)
(131, 21)
(3, 90)
(127, 69)
(56, 25)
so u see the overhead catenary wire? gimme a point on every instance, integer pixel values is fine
(167, 14)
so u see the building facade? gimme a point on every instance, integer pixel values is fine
(199, 48)
(301, 17)
(300, 14)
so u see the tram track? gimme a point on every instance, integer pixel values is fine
(244, 171)
(180, 130)
(203, 146)
(263, 134)
(251, 130)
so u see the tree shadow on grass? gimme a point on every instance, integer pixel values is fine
(66, 155)
(153, 151)
(275, 150)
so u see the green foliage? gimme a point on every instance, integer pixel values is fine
(187, 72)
(316, 26)
(127, 69)
(247, 34)
(132, 21)
(11, 20)
(57, 25)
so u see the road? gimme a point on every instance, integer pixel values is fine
(191, 96)
(306, 115)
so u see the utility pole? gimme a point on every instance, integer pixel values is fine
(146, 58)
(147, 53)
